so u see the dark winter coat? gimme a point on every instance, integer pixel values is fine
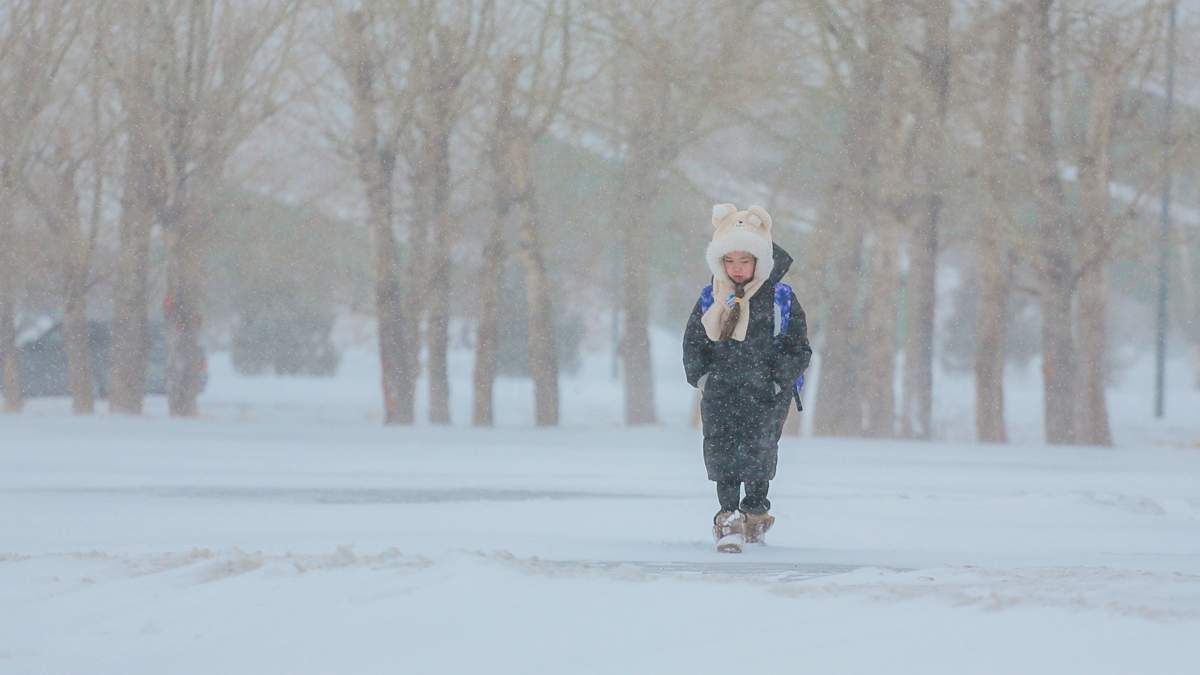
(747, 386)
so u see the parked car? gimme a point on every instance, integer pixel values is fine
(44, 362)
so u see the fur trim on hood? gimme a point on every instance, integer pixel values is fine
(734, 230)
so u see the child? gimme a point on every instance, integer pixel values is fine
(736, 352)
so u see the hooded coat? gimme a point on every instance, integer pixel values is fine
(747, 385)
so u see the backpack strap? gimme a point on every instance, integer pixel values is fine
(706, 298)
(783, 307)
(783, 316)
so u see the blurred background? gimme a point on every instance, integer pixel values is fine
(494, 212)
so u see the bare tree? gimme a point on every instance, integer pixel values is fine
(895, 198)
(1074, 245)
(487, 330)
(35, 38)
(75, 235)
(131, 50)
(216, 72)
(1115, 49)
(531, 82)
(68, 187)
(670, 64)
(75, 247)
(452, 41)
(1056, 228)
(923, 244)
(382, 101)
(888, 181)
(994, 258)
(850, 206)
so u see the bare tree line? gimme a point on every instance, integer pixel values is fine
(1016, 114)
(978, 128)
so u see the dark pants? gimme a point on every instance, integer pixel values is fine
(729, 493)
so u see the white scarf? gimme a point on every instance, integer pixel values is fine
(714, 318)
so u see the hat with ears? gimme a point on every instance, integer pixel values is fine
(734, 230)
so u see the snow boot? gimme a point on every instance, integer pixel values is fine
(729, 531)
(756, 526)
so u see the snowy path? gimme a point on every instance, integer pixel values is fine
(153, 546)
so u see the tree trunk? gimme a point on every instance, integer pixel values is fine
(415, 270)
(641, 184)
(543, 337)
(813, 278)
(994, 259)
(1056, 232)
(879, 326)
(183, 316)
(488, 331)
(837, 410)
(917, 418)
(396, 367)
(438, 336)
(186, 221)
(10, 364)
(144, 178)
(128, 351)
(635, 335)
(1092, 425)
(76, 255)
(517, 160)
(880, 301)
(1189, 302)
(80, 378)
(494, 251)
(376, 165)
(991, 337)
(839, 404)
(1058, 364)
(1196, 365)
(923, 245)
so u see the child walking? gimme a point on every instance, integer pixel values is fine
(745, 346)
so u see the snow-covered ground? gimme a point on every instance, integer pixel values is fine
(286, 531)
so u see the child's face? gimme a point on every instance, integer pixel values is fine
(739, 266)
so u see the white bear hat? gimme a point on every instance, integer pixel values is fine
(734, 230)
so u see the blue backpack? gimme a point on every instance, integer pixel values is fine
(783, 314)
